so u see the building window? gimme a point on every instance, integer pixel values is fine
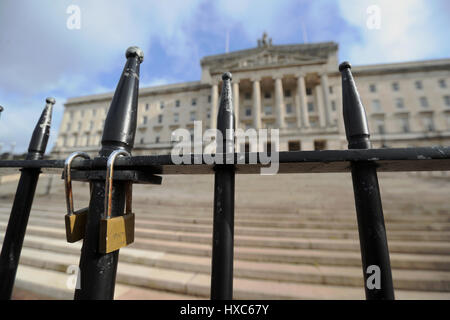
(69, 125)
(311, 106)
(399, 103)
(94, 112)
(194, 101)
(192, 116)
(288, 108)
(404, 124)
(144, 120)
(442, 83)
(373, 88)
(376, 107)
(157, 139)
(268, 110)
(82, 113)
(330, 89)
(308, 91)
(248, 112)
(294, 146)
(71, 115)
(247, 96)
(208, 114)
(379, 124)
(291, 124)
(313, 122)
(320, 144)
(428, 123)
(267, 95)
(91, 125)
(448, 121)
(423, 102)
(88, 138)
(161, 105)
(142, 140)
(447, 101)
(177, 103)
(419, 85)
(287, 93)
(79, 125)
(333, 105)
(175, 117)
(147, 106)
(209, 99)
(395, 86)
(160, 118)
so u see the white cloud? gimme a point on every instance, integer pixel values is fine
(408, 31)
(43, 52)
(41, 57)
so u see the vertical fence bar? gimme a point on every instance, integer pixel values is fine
(23, 200)
(372, 232)
(98, 271)
(223, 224)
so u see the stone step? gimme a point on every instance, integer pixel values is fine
(314, 257)
(297, 256)
(292, 223)
(192, 283)
(334, 275)
(431, 247)
(312, 214)
(290, 233)
(53, 284)
(273, 214)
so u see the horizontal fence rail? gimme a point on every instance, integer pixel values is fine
(386, 160)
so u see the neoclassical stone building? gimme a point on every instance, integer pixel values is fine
(295, 88)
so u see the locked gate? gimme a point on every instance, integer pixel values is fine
(104, 227)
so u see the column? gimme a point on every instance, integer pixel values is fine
(326, 98)
(279, 102)
(256, 104)
(236, 101)
(302, 106)
(214, 102)
(320, 106)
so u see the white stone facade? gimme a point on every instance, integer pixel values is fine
(295, 88)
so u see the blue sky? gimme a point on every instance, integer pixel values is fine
(40, 56)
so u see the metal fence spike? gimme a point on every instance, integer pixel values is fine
(120, 123)
(23, 200)
(355, 119)
(369, 210)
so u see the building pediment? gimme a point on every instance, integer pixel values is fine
(271, 57)
(266, 58)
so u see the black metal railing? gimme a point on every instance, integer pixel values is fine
(98, 266)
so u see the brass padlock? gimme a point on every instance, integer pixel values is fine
(75, 220)
(116, 232)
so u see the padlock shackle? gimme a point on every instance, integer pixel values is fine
(68, 180)
(109, 182)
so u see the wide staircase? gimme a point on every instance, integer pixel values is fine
(278, 255)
